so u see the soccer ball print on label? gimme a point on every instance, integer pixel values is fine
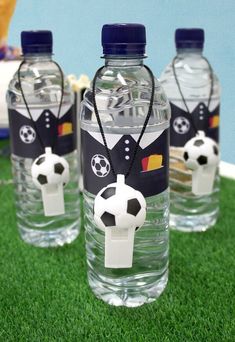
(27, 134)
(100, 165)
(181, 125)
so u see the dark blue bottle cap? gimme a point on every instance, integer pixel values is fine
(124, 40)
(36, 41)
(189, 38)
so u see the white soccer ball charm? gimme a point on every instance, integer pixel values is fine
(50, 173)
(201, 155)
(119, 210)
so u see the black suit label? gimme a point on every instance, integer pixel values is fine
(149, 173)
(181, 129)
(24, 138)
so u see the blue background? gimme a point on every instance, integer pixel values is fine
(77, 24)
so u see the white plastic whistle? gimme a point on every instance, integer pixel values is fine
(119, 210)
(50, 173)
(201, 155)
(119, 246)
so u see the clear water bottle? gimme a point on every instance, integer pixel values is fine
(197, 81)
(41, 84)
(123, 91)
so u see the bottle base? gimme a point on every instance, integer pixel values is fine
(127, 296)
(193, 223)
(53, 238)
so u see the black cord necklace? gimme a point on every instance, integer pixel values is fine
(124, 223)
(144, 125)
(200, 153)
(50, 172)
(28, 110)
(181, 93)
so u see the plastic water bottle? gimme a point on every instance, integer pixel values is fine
(189, 212)
(41, 84)
(123, 90)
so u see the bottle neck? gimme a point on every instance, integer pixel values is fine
(37, 57)
(116, 61)
(189, 51)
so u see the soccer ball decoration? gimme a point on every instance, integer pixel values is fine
(27, 134)
(201, 155)
(50, 173)
(181, 125)
(119, 210)
(100, 165)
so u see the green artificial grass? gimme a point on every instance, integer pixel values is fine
(44, 294)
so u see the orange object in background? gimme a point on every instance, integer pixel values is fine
(6, 11)
(152, 162)
(65, 129)
(214, 121)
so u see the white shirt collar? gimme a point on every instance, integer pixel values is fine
(36, 113)
(193, 104)
(113, 139)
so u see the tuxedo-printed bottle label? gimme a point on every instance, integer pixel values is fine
(204, 119)
(25, 135)
(149, 173)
